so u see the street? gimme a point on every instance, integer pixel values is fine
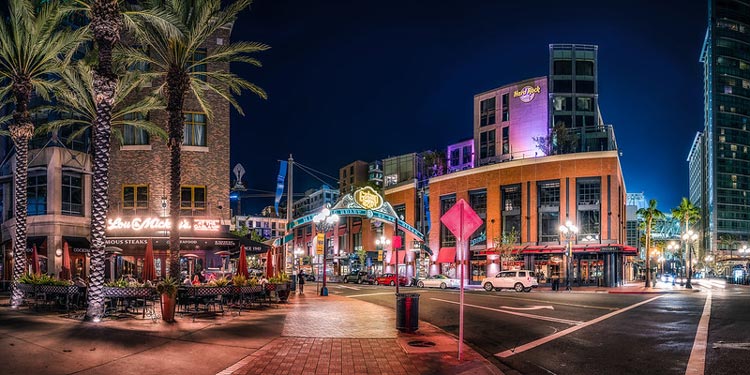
(545, 332)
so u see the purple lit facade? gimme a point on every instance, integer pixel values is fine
(507, 119)
(460, 156)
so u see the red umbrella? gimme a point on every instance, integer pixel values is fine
(269, 264)
(242, 262)
(149, 270)
(65, 274)
(35, 262)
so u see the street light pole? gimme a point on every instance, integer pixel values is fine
(324, 221)
(568, 231)
(689, 237)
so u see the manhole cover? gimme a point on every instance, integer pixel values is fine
(422, 344)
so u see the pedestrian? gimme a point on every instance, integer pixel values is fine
(301, 281)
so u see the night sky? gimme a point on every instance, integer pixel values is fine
(364, 80)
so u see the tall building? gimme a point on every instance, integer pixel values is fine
(574, 97)
(726, 63)
(353, 175)
(314, 200)
(460, 156)
(506, 120)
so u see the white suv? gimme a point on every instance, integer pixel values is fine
(520, 281)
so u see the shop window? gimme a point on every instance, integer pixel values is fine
(72, 194)
(487, 112)
(37, 194)
(135, 196)
(511, 208)
(548, 210)
(549, 223)
(193, 197)
(195, 129)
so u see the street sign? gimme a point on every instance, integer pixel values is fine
(461, 220)
(320, 243)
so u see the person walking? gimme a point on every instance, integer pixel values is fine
(301, 281)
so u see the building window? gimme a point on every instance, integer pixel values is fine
(585, 87)
(455, 157)
(549, 210)
(506, 110)
(511, 208)
(37, 195)
(72, 194)
(195, 129)
(506, 140)
(466, 155)
(135, 196)
(562, 67)
(478, 202)
(447, 239)
(193, 197)
(391, 179)
(584, 104)
(589, 196)
(584, 68)
(487, 144)
(487, 112)
(132, 135)
(195, 66)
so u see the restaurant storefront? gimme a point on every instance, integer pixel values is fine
(205, 244)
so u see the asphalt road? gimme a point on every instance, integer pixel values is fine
(546, 332)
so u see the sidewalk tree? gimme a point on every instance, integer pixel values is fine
(175, 59)
(649, 215)
(34, 48)
(107, 19)
(506, 244)
(687, 214)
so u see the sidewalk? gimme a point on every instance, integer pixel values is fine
(308, 335)
(628, 288)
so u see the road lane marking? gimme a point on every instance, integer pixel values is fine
(528, 308)
(697, 362)
(557, 335)
(732, 345)
(372, 294)
(349, 287)
(546, 301)
(531, 316)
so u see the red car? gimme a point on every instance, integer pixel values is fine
(390, 279)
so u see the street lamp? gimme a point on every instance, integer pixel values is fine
(673, 247)
(324, 222)
(380, 244)
(568, 231)
(689, 237)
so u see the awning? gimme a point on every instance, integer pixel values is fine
(78, 245)
(401, 255)
(40, 242)
(446, 255)
(251, 248)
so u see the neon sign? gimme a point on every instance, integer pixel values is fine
(368, 198)
(527, 93)
(155, 223)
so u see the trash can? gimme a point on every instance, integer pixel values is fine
(407, 312)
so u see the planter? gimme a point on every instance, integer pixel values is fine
(168, 305)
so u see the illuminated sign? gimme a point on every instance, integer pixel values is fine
(155, 223)
(368, 198)
(527, 93)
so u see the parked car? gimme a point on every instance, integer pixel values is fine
(359, 277)
(390, 279)
(438, 281)
(520, 281)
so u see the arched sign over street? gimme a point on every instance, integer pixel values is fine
(366, 203)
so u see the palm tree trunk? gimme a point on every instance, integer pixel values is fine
(104, 86)
(21, 135)
(177, 84)
(648, 254)
(21, 132)
(106, 23)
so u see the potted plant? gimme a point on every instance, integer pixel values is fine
(167, 289)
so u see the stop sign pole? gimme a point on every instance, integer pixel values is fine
(462, 221)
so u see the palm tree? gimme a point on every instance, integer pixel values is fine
(687, 213)
(107, 20)
(173, 59)
(649, 214)
(34, 48)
